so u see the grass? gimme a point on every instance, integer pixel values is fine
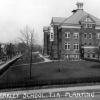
(51, 73)
(25, 59)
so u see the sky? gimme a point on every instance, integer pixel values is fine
(16, 14)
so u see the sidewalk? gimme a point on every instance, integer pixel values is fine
(45, 59)
(1, 62)
(9, 61)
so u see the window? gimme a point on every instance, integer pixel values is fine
(85, 44)
(93, 55)
(51, 36)
(98, 35)
(67, 55)
(88, 19)
(76, 35)
(85, 35)
(90, 44)
(90, 35)
(67, 46)
(67, 34)
(88, 55)
(76, 46)
(85, 25)
(76, 56)
(88, 25)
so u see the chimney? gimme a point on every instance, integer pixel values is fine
(79, 6)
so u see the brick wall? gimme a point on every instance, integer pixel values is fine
(87, 41)
(97, 40)
(55, 43)
(70, 40)
(45, 43)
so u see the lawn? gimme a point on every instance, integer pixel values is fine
(51, 73)
(25, 59)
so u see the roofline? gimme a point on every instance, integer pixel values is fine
(65, 20)
(55, 23)
(71, 26)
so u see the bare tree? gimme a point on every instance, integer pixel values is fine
(28, 39)
(27, 36)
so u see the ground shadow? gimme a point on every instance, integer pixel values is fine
(96, 66)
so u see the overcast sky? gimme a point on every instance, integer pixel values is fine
(16, 14)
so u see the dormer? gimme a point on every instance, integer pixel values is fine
(87, 22)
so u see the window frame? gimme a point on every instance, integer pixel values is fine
(76, 35)
(85, 44)
(89, 25)
(90, 44)
(84, 35)
(85, 25)
(67, 45)
(67, 34)
(89, 35)
(98, 35)
(76, 56)
(76, 46)
(67, 56)
(51, 36)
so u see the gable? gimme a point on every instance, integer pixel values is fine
(87, 19)
(57, 20)
(75, 18)
(80, 16)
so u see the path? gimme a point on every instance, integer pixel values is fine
(9, 61)
(45, 59)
